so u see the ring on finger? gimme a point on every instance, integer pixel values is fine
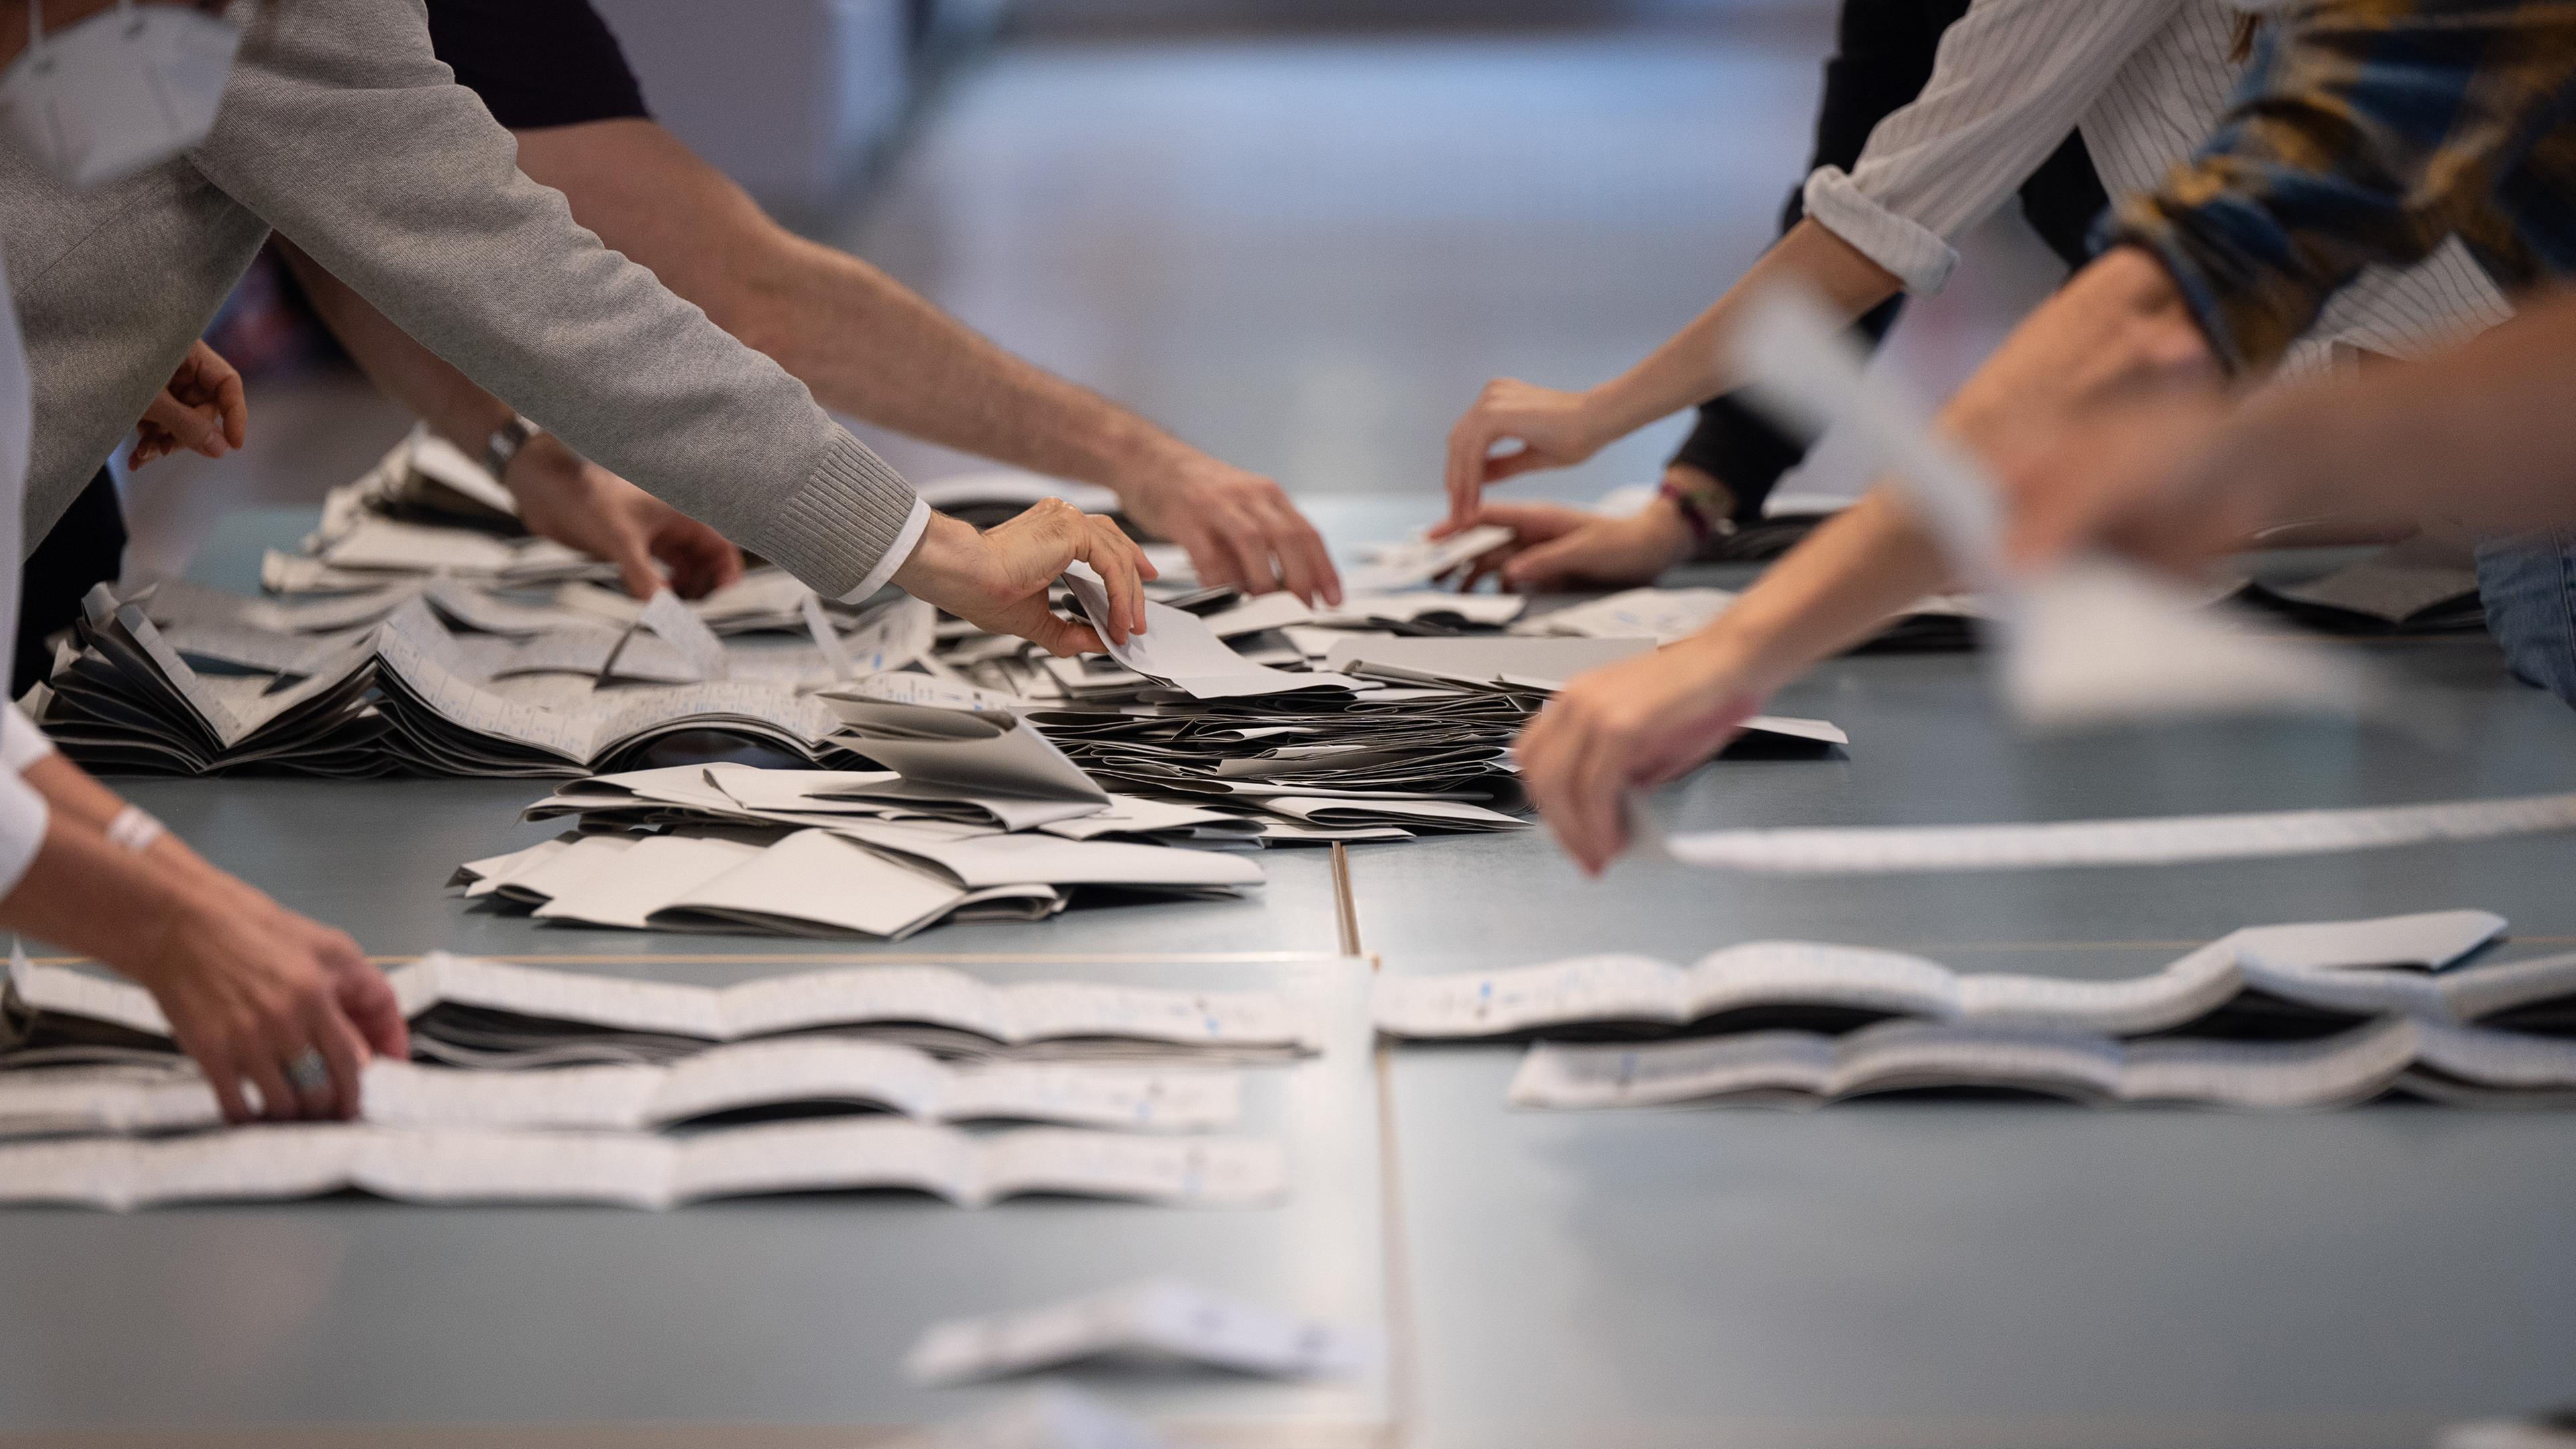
(309, 1073)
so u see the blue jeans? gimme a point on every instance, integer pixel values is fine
(2529, 587)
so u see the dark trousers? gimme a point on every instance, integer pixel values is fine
(1883, 53)
(86, 548)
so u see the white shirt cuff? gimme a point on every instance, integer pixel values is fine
(23, 815)
(21, 743)
(905, 541)
(1915, 254)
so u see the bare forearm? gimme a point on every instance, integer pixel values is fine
(2482, 435)
(73, 794)
(96, 897)
(1688, 369)
(866, 345)
(445, 398)
(2119, 325)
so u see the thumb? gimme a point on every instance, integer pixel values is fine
(193, 429)
(1548, 564)
(632, 552)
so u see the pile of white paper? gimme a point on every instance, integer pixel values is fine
(598, 1089)
(1395, 735)
(442, 680)
(639, 1170)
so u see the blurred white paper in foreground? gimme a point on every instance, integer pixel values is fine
(2092, 641)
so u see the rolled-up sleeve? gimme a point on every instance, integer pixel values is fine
(2364, 133)
(2012, 77)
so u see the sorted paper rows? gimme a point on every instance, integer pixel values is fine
(480, 1012)
(637, 1097)
(639, 1170)
(2309, 1015)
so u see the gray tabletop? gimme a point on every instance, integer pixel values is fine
(1863, 1275)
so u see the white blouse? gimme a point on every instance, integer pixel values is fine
(2145, 81)
(22, 810)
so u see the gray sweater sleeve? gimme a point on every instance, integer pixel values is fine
(345, 133)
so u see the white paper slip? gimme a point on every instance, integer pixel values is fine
(2158, 841)
(1158, 1318)
(2090, 641)
(1420, 560)
(639, 1170)
(1663, 615)
(1254, 615)
(1178, 649)
(985, 752)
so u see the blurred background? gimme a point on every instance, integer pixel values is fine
(1300, 233)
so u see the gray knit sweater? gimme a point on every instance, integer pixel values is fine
(342, 132)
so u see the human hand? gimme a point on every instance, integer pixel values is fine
(1631, 725)
(577, 503)
(1239, 527)
(1554, 547)
(250, 988)
(1555, 430)
(202, 410)
(998, 579)
(2149, 479)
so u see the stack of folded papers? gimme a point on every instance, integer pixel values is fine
(550, 1086)
(2311, 1015)
(405, 642)
(2426, 585)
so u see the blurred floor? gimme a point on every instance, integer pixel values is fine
(1306, 254)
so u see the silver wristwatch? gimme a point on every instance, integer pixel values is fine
(505, 443)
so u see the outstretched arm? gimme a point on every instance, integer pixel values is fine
(248, 986)
(2120, 324)
(873, 349)
(560, 494)
(2481, 436)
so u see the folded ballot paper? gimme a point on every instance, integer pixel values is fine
(2092, 640)
(2336, 968)
(799, 1073)
(2312, 1015)
(635, 1169)
(1161, 1318)
(1418, 561)
(1667, 615)
(404, 692)
(2398, 1055)
(478, 1012)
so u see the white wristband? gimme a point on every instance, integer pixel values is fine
(135, 829)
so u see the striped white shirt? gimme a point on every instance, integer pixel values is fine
(2145, 81)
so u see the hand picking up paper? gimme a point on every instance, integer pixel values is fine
(2090, 640)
